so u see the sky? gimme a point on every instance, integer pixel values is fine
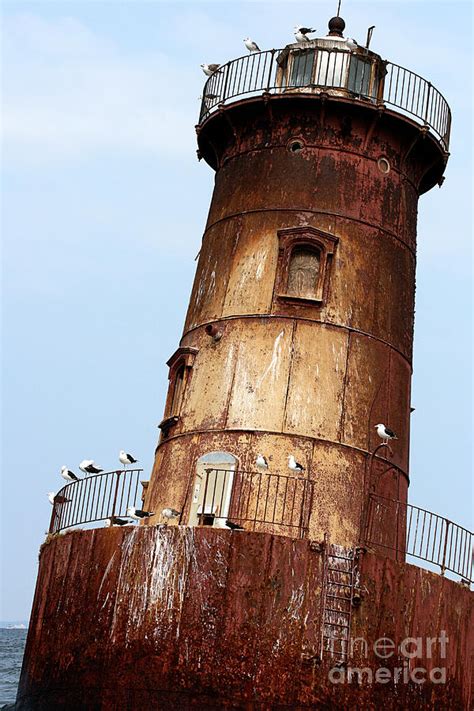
(103, 208)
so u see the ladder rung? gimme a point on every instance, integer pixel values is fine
(338, 597)
(341, 585)
(337, 639)
(338, 570)
(341, 557)
(331, 609)
(335, 624)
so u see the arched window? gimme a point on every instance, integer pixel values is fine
(212, 490)
(304, 261)
(178, 387)
(303, 272)
(180, 365)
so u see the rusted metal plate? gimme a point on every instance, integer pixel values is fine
(261, 376)
(315, 396)
(366, 396)
(337, 507)
(209, 390)
(250, 286)
(214, 268)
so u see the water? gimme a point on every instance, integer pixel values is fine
(12, 645)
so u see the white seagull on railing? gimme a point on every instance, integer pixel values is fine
(68, 474)
(209, 69)
(138, 514)
(293, 464)
(55, 499)
(251, 45)
(169, 513)
(302, 32)
(89, 467)
(115, 521)
(126, 458)
(385, 433)
(261, 462)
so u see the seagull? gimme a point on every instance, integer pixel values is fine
(170, 513)
(261, 462)
(55, 499)
(208, 97)
(302, 32)
(251, 45)
(68, 474)
(89, 467)
(234, 526)
(115, 521)
(385, 433)
(351, 43)
(293, 464)
(126, 458)
(209, 69)
(138, 514)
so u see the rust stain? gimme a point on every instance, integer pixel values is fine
(206, 618)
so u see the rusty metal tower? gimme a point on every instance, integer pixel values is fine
(296, 345)
(307, 275)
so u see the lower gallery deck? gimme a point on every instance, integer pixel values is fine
(143, 616)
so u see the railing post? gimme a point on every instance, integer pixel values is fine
(272, 53)
(443, 562)
(427, 103)
(117, 474)
(53, 519)
(224, 90)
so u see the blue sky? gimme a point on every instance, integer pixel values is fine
(104, 204)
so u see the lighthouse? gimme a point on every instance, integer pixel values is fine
(307, 276)
(285, 562)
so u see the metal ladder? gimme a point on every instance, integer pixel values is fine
(338, 592)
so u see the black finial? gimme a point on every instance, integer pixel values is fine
(336, 26)
(338, 8)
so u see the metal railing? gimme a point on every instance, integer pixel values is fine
(95, 498)
(410, 530)
(253, 500)
(358, 75)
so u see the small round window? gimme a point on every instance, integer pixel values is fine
(295, 145)
(383, 165)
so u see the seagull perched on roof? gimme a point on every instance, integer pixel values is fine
(302, 32)
(351, 43)
(261, 462)
(293, 464)
(126, 458)
(234, 526)
(169, 513)
(385, 433)
(251, 45)
(68, 474)
(138, 514)
(115, 521)
(209, 69)
(89, 467)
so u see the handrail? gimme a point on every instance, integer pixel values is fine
(359, 75)
(419, 533)
(95, 498)
(253, 499)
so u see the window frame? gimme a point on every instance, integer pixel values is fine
(182, 360)
(315, 240)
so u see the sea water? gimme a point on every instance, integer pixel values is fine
(12, 646)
